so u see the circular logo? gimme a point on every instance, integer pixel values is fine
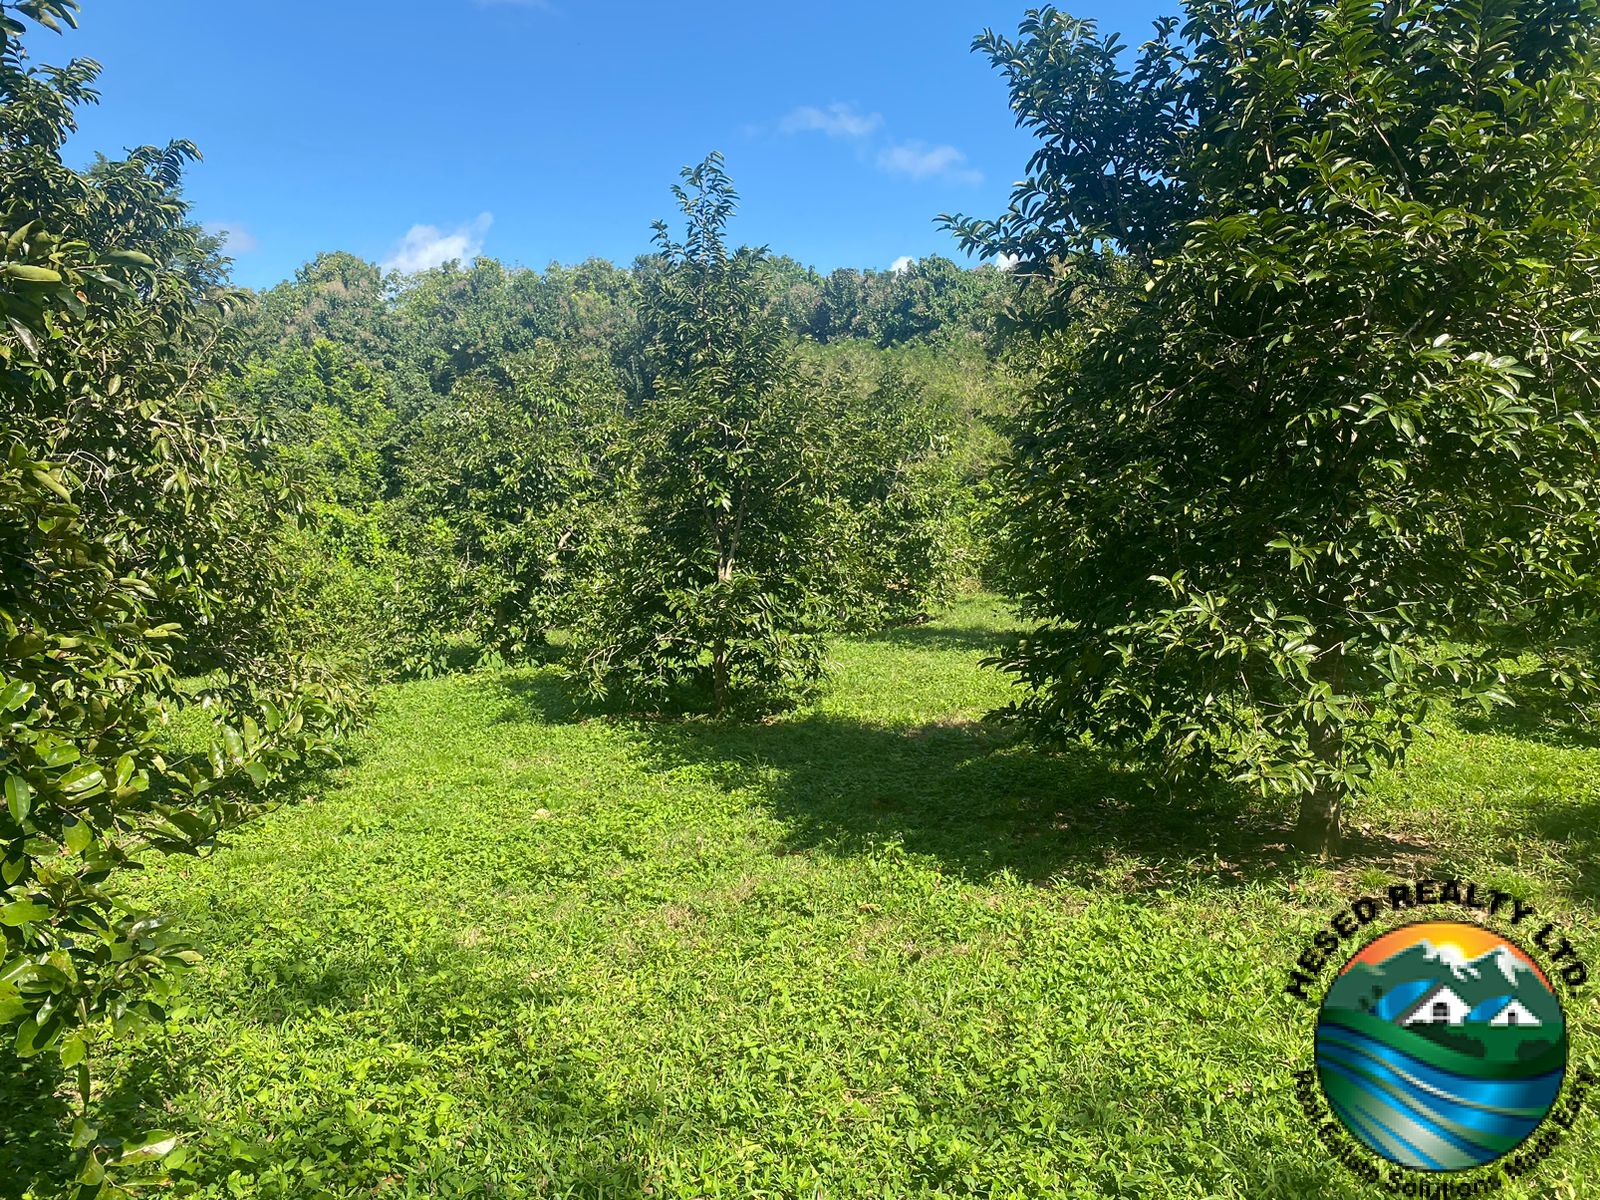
(1441, 1046)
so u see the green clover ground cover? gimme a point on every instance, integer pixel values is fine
(870, 949)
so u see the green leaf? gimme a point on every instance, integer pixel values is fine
(93, 1172)
(130, 257)
(59, 754)
(33, 1038)
(19, 797)
(83, 780)
(48, 480)
(19, 912)
(84, 1135)
(12, 1006)
(154, 1144)
(24, 273)
(15, 694)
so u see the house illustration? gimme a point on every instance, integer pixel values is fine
(1514, 1013)
(1439, 1005)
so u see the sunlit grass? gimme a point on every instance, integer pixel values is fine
(873, 948)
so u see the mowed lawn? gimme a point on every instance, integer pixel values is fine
(870, 949)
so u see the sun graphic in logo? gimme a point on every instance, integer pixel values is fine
(1441, 1046)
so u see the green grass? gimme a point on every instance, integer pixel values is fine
(870, 949)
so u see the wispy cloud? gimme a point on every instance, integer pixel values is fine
(902, 264)
(910, 159)
(920, 161)
(1006, 262)
(427, 246)
(236, 239)
(837, 121)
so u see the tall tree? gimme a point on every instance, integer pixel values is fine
(335, 297)
(1337, 447)
(717, 589)
(329, 414)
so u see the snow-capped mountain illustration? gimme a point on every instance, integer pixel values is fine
(1405, 988)
(1501, 958)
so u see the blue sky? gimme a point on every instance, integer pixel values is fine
(540, 130)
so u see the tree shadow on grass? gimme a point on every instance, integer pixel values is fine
(38, 1101)
(535, 696)
(153, 1083)
(34, 1132)
(982, 804)
(1537, 715)
(364, 1140)
(1573, 824)
(438, 976)
(983, 639)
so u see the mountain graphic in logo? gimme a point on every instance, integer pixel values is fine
(1441, 1047)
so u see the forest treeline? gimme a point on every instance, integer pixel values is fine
(469, 438)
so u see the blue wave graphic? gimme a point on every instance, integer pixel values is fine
(1422, 1116)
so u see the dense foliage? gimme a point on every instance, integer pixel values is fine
(1339, 444)
(480, 444)
(131, 517)
(719, 583)
(930, 300)
(907, 441)
(507, 485)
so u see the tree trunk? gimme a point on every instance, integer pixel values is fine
(719, 648)
(1318, 829)
(719, 675)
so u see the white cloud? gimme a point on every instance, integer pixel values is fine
(236, 239)
(837, 120)
(903, 264)
(1006, 262)
(927, 162)
(427, 246)
(915, 160)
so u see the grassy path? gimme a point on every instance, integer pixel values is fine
(871, 949)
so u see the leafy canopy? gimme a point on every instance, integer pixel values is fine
(131, 522)
(1335, 451)
(714, 589)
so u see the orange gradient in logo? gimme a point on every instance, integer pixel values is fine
(1471, 940)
